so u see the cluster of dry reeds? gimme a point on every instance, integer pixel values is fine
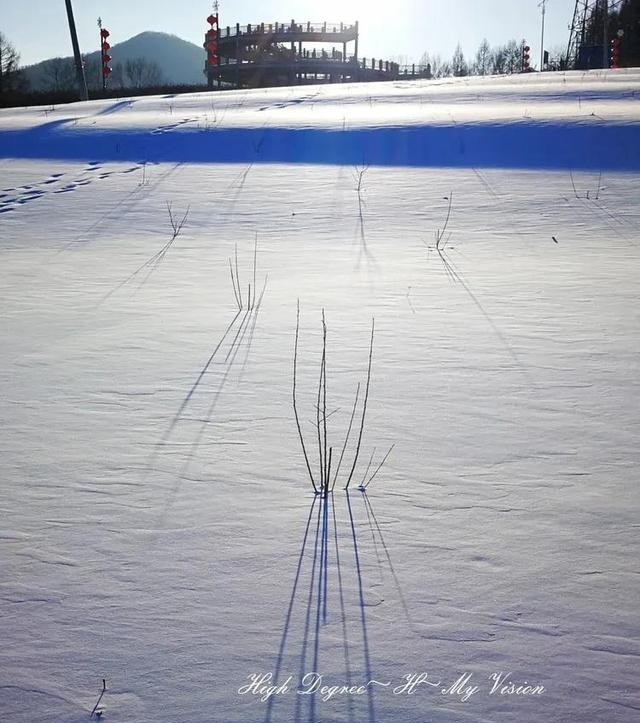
(235, 280)
(326, 476)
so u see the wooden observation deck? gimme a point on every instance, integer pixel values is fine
(272, 54)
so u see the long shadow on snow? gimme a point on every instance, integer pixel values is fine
(591, 145)
(312, 600)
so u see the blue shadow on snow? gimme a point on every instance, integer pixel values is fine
(589, 146)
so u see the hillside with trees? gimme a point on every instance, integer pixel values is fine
(146, 60)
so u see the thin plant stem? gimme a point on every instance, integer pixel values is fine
(320, 450)
(295, 407)
(346, 439)
(238, 277)
(439, 233)
(255, 260)
(366, 472)
(233, 281)
(324, 395)
(573, 183)
(379, 467)
(364, 407)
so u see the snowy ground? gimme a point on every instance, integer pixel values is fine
(159, 529)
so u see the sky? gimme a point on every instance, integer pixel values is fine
(402, 29)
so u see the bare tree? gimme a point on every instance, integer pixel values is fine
(437, 67)
(93, 73)
(482, 64)
(513, 56)
(498, 60)
(11, 77)
(143, 73)
(59, 74)
(116, 79)
(458, 63)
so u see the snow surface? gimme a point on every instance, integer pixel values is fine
(158, 527)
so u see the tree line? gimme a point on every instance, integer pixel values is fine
(500, 60)
(60, 74)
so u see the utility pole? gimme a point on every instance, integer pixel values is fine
(542, 4)
(82, 83)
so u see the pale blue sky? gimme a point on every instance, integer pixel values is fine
(38, 28)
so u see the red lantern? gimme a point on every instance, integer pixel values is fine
(105, 57)
(211, 40)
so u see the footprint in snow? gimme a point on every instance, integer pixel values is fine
(30, 197)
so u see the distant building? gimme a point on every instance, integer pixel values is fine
(265, 55)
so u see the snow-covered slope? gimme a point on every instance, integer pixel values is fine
(159, 528)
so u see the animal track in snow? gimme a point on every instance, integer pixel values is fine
(172, 126)
(12, 198)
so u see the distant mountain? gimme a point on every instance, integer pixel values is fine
(178, 61)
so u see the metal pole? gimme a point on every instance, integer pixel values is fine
(605, 24)
(104, 77)
(82, 83)
(543, 3)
